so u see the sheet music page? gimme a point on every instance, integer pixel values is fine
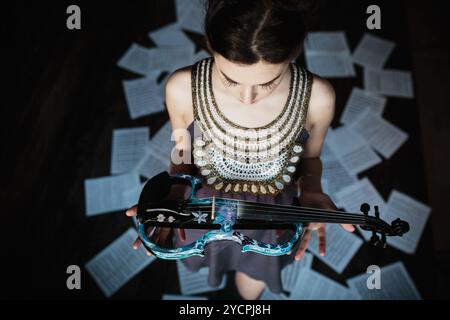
(406, 208)
(137, 59)
(143, 96)
(382, 135)
(395, 282)
(341, 247)
(328, 55)
(195, 282)
(330, 65)
(359, 101)
(106, 194)
(131, 197)
(358, 193)
(191, 16)
(372, 51)
(269, 295)
(171, 58)
(161, 144)
(314, 286)
(151, 165)
(337, 178)
(326, 41)
(115, 265)
(352, 150)
(389, 82)
(128, 148)
(170, 35)
(290, 273)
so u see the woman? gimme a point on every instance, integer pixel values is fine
(251, 112)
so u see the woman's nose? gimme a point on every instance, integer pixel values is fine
(248, 95)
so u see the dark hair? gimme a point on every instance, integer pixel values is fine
(247, 31)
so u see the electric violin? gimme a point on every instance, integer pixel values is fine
(223, 218)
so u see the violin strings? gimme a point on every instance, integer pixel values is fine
(299, 210)
(315, 218)
(308, 214)
(248, 204)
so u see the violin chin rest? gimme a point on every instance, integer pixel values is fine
(156, 188)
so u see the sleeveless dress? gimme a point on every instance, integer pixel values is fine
(253, 164)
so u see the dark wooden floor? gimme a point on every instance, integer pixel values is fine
(66, 97)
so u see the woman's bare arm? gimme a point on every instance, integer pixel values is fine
(320, 115)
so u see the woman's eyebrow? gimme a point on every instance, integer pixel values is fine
(262, 84)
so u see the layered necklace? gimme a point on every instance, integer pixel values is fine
(233, 158)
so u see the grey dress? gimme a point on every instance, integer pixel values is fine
(224, 256)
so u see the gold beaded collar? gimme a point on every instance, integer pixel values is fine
(234, 158)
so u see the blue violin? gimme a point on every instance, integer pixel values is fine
(225, 217)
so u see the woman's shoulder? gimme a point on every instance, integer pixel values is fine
(178, 93)
(322, 94)
(321, 101)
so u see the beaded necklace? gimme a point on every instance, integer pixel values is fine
(257, 160)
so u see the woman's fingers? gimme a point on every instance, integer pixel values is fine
(303, 245)
(322, 237)
(181, 234)
(137, 243)
(132, 211)
(348, 227)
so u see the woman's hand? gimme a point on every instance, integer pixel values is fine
(159, 235)
(321, 201)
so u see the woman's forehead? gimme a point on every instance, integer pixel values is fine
(258, 73)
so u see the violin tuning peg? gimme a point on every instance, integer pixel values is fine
(383, 240)
(377, 212)
(375, 239)
(365, 208)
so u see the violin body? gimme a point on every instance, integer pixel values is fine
(224, 217)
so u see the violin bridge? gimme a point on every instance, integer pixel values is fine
(213, 209)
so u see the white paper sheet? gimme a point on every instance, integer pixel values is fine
(161, 144)
(137, 59)
(326, 41)
(382, 135)
(143, 96)
(337, 178)
(290, 273)
(358, 193)
(159, 150)
(106, 194)
(330, 65)
(131, 197)
(396, 284)
(372, 51)
(195, 282)
(128, 148)
(314, 286)
(359, 101)
(117, 263)
(402, 206)
(179, 297)
(202, 54)
(389, 82)
(341, 247)
(328, 55)
(190, 15)
(151, 166)
(170, 35)
(170, 58)
(269, 295)
(327, 153)
(352, 150)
